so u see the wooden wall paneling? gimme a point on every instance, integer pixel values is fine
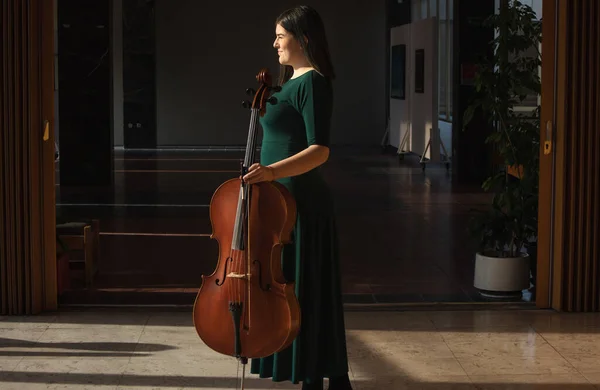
(4, 266)
(583, 294)
(594, 156)
(30, 61)
(590, 147)
(596, 165)
(48, 165)
(582, 137)
(572, 131)
(27, 222)
(22, 93)
(576, 203)
(3, 126)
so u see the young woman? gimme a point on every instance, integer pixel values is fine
(295, 143)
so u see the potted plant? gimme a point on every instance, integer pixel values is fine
(502, 85)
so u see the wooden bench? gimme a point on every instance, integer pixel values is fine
(82, 236)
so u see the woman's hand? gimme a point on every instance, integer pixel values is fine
(257, 173)
(299, 163)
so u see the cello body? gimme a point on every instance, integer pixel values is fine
(246, 308)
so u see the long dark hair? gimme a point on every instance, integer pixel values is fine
(304, 21)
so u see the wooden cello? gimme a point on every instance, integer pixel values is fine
(246, 309)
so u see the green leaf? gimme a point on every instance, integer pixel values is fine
(501, 84)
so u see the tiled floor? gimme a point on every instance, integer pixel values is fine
(451, 350)
(402, 230)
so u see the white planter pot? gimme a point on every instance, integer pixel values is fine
(501, 274)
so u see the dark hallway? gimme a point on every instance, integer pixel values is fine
(403, 231)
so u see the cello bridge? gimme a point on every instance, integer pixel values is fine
(236, 275)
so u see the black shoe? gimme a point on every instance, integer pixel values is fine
(340, 383)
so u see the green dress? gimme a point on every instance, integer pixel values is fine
(301, 117)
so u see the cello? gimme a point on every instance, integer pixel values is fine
(246, 308)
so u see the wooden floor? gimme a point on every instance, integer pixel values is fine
(403, 230)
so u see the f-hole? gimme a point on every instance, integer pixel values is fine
(229, 259)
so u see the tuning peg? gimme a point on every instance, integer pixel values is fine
(272, 100)
(246, 104)
(250, 92)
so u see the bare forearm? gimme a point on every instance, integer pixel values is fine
(301, 162)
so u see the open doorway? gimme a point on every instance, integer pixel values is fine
(469, 47)
(145, 204)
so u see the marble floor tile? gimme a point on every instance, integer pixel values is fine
(388, 320)
(487, 319)
(524, 342)
(593, 378)
(458, 350)
(574, 381)
(20, 342)
(580, 347)
(405, 383)
(7, 364)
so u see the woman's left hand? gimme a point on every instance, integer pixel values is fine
(257, 173)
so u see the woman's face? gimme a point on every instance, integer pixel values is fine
(288, 48)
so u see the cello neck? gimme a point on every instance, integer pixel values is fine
(251, 143)
(243, 197)
(257, 110)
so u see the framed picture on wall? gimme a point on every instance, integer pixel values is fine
(398, 72)
(420, 71)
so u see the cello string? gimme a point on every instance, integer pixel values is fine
(246, 221)
(239, 222)
(247, 264)
(241, 255)
(246, 253)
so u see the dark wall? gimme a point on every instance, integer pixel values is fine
(85, 92)
(208, 53)
(139, 74)
(399, 14)
(472, 157)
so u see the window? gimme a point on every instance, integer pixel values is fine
(416, 10)
(442, 70)
(420, 71)
(446, 23)
(422, 9)
(433, 7)
(398, 72)
(443, 10)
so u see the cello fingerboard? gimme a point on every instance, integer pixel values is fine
(241, 215)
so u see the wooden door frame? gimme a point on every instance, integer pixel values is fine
(552, 165)
(46, 46)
